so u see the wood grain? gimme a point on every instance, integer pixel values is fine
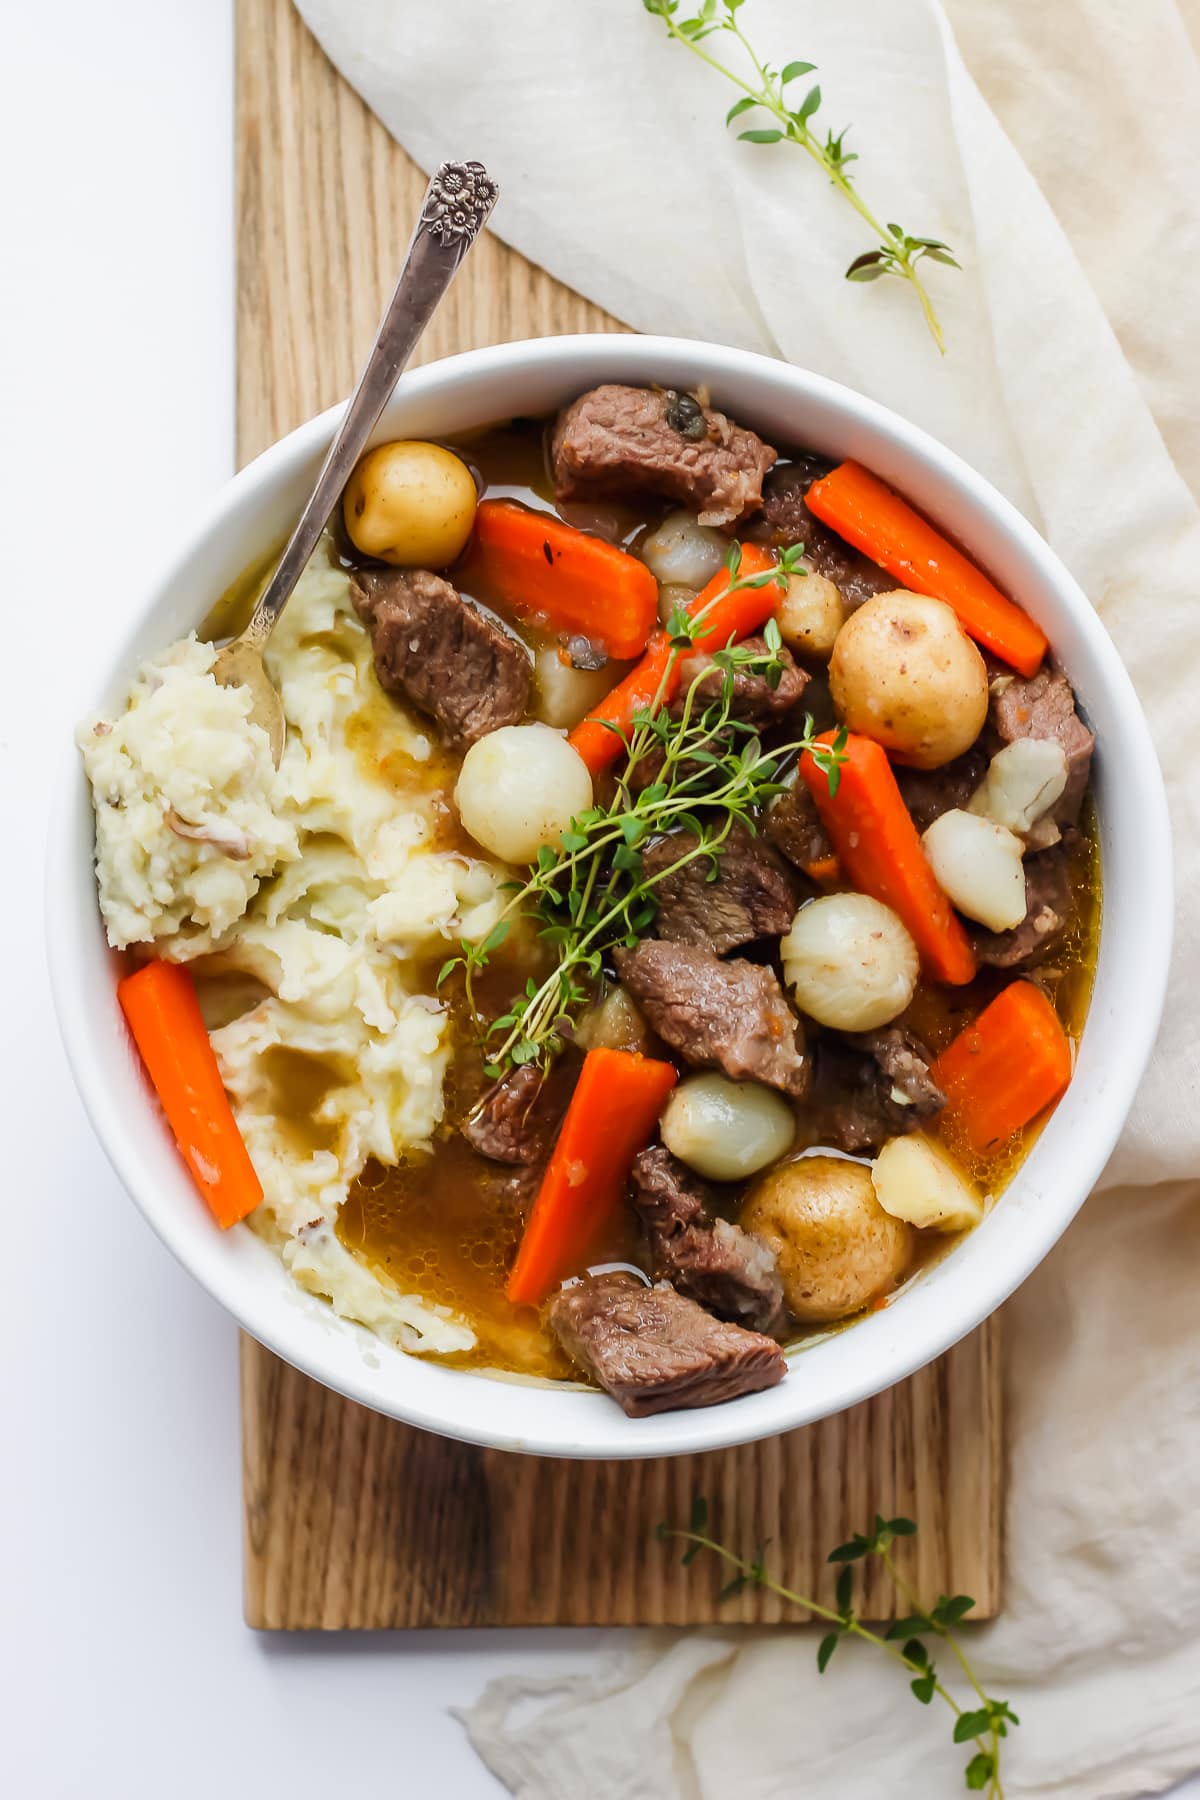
(352, 1520)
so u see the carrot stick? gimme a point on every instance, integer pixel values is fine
(825, 870)
(880, 853)
(541, 568)
(163, 1012)
(727, 618)
(613, 1110)
(1004, 1069)
(592, 737)
(869, 515)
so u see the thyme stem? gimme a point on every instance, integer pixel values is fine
(898, 253)
(983, 1726)
(591, 893)
(904, 1589)
(800, 134)
(754, 1572)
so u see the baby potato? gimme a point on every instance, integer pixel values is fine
(850, 962)
(915, 1180)
(726, 1129)
(682, 552)
(836, 1247)
(410, 503)
(519, 788)
(565, 694)
(810, 615)
(904, 672)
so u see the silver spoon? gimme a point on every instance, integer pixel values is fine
(457, 203)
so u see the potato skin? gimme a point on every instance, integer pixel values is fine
(904, 672)
(836, 1247)
(810, 615)
(411, 504)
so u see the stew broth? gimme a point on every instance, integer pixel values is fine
(449, 1223)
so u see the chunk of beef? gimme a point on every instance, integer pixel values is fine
(1049, 906)
(753, 701)
(904, 1064)
(928, 793)
(445, 656)
(794, 826)
(726, 1015)
(620, 440)
(1044, 707)
(655, 1350)
(785, 519)
(730, 1015)
(515, 1119)
(667, 1194)
(729, 1271)
(873, 1086)
(753, 895)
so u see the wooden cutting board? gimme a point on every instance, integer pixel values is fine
(352, 1520)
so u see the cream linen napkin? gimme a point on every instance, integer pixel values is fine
(1062, 162)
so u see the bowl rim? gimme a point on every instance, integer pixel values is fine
(899, 1354)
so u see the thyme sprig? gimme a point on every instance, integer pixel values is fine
(896, 251)
(703, 771)
(984, 1724)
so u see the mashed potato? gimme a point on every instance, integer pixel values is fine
(330, 926)
(184, 790)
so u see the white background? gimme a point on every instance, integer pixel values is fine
(125, 1669)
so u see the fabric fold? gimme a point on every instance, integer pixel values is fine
(1058, 151)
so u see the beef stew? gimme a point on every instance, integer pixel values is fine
(709, 801)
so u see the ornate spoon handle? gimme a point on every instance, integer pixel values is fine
(457, 203)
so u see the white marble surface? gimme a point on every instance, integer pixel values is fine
(124, 1665)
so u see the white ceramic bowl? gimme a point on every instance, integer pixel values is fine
(792, 406)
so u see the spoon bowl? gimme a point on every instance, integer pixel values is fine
(240, 664)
